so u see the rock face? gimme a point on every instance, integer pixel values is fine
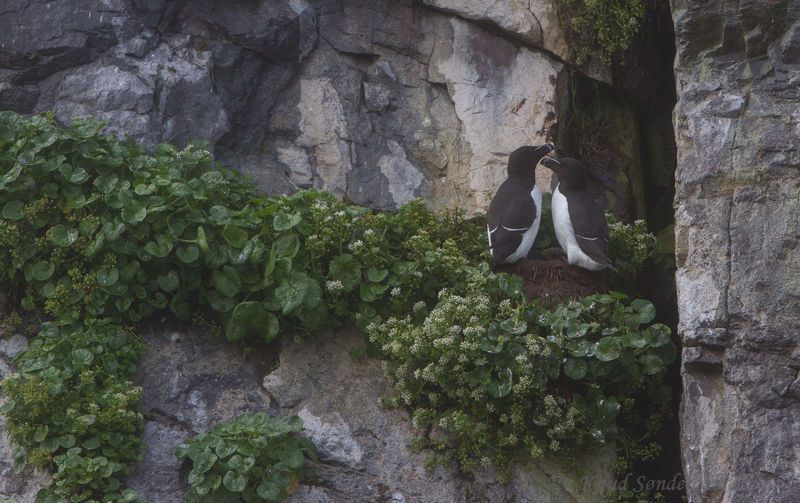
(379, 102)
(364, 455)
(192, 379)
(737, 229)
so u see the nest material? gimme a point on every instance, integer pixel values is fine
(553, 281)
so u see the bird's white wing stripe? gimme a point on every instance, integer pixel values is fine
(491, 231)
(515, 230)
(584, 237)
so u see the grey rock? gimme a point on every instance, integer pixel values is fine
(379, 97)
(184, 372)
(39, 38)
(11, 344)
(375, 101)
(159, 477)
(191, 380)
(737, 209)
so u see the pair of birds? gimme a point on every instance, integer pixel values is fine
(516, 212)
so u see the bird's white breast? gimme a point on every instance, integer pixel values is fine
(530, 235)
(565, 234)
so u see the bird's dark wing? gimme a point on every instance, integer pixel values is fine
(511, 213)
(589, 224)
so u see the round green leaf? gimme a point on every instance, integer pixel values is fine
(657, 335)
(250, 318)
(644, 310)
(78, 176)
(218, 214)
(204, 461)
(286, 246)
(83, 356)
(226, 281)
(514, 326)
(284, 221)
(40, 433)
(13, 210)
(160, 247)
(219, 302)
(234, 235)
(169, 281)
(106, 183)
(133, 212)
(576, 329)
(609, 348)
(269, 491)
(188, 254)
(129, 495)
(575, 368)
(347, 269)
(107, 276)
(234, 482)
(43, 270)
(651, 364)
(179, 189)
(142, 189)
(225, 449)
(62, 235)
(580, 348)
(634, 339)
(376, 275)
(370, 292)
(501, 386)
(292, 291)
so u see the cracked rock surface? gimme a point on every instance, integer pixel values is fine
(192, 380)
(737, 126)
(379, 102)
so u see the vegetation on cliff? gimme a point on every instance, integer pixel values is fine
(97, 235)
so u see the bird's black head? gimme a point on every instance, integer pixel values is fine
(571, 173)
(522, 162)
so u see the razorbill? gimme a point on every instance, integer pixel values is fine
(516, 209)
(580, 225)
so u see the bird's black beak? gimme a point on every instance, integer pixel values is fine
(546, 149)
(549, 162)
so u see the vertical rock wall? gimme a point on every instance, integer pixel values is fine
(379, 102)
(737, 231)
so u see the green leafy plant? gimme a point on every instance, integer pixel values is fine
(501, 379)
(630, 244)
(73, 409)
(97, 235)
(605, 28)
(253, 458)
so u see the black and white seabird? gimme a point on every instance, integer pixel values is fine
(516, 209)
(580, 226)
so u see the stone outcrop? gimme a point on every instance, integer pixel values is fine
(378, 102)
(737, 228)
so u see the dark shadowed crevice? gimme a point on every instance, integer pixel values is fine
(624, 134)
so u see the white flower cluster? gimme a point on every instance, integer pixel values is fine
(334, 286)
